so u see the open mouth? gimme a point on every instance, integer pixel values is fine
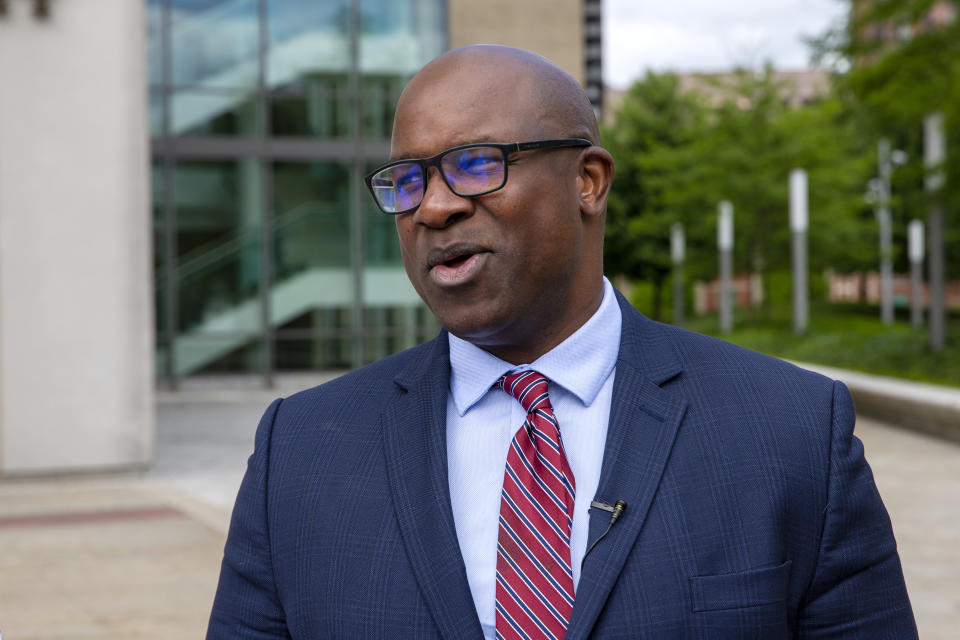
(453, 256)
(457, 264)
(456, 261)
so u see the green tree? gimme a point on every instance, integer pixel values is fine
(680, 158)
(904, 64)
(655, 115)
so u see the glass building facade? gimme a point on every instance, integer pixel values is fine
(269, 255)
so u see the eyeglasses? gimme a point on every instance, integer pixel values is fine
(469, 170)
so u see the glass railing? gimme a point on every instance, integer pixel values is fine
(313, 283)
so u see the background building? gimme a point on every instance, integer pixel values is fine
(569, 32)
(269, 254)
(225, 141)
(795, 87)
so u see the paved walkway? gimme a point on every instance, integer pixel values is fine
(137, 557)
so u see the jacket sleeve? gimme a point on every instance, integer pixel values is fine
(247, 605)
(857, 590)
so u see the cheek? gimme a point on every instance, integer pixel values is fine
(405, 238)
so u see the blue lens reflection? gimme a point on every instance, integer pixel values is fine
(474, 170)
(399, 187)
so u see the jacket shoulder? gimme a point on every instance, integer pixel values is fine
(708, 357)
(363, 391)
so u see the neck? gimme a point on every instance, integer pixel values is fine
(532, 342)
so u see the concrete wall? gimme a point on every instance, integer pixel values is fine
(76, 343)
(552, 28)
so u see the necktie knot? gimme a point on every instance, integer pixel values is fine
(529, 388)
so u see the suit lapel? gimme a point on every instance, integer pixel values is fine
(416, 459)
(644, 419)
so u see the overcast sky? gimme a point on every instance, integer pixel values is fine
(707, 35)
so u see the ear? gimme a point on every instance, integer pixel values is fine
(593, 183)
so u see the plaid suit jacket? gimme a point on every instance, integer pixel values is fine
(752, 512)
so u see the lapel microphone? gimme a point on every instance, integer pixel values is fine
(615, 512)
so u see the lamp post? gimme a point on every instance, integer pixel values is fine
(677, 256)
(880, 188)
(915, 252)
(934, 153)
(725, 249)
(799, 217)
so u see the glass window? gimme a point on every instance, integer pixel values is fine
(156, 113)
(218, 246)
(398, 37)
(155, 18)
(215, 43)
(312, 216)
(313, 293)
(311, 86)
(379, 99)
(205, 353)
(303, 354)
(213, 113)
(318, 105)
(159, 246)
(307, 37)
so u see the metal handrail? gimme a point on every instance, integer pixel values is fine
(216, 251)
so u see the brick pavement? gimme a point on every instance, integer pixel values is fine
(137, 557)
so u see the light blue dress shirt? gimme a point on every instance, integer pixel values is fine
(482, 421)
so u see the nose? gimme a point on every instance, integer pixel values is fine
(441, 207)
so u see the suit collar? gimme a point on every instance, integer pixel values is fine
(580, 364)
(644, 420)
(414, 428)
(645, 345)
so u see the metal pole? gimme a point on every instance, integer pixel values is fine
(267, 212)
(915, 251)
(886, 242)
(358, 223)
(170, 217)
(725, 247)
(799, 217)
(934, 153)
(677, 253)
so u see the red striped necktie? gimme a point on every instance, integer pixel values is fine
(534, 574)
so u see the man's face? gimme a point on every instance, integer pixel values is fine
(499, 268)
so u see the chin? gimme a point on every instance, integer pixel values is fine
(473, 328)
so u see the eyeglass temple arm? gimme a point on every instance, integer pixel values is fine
(549, 144)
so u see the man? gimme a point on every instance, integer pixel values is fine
(553, 464)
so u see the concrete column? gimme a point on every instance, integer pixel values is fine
(76, 315)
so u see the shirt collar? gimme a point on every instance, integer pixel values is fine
(580, 364)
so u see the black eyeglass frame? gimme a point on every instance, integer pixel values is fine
(506, 148)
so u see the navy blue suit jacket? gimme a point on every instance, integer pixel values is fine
(751, 512)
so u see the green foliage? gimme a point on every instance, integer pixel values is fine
(677, 158)
(655, 118)
(850, 337)
(893, 86)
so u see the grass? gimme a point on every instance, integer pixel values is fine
(846, 336)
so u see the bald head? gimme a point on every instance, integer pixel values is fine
(487, 265)
(540, 99)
